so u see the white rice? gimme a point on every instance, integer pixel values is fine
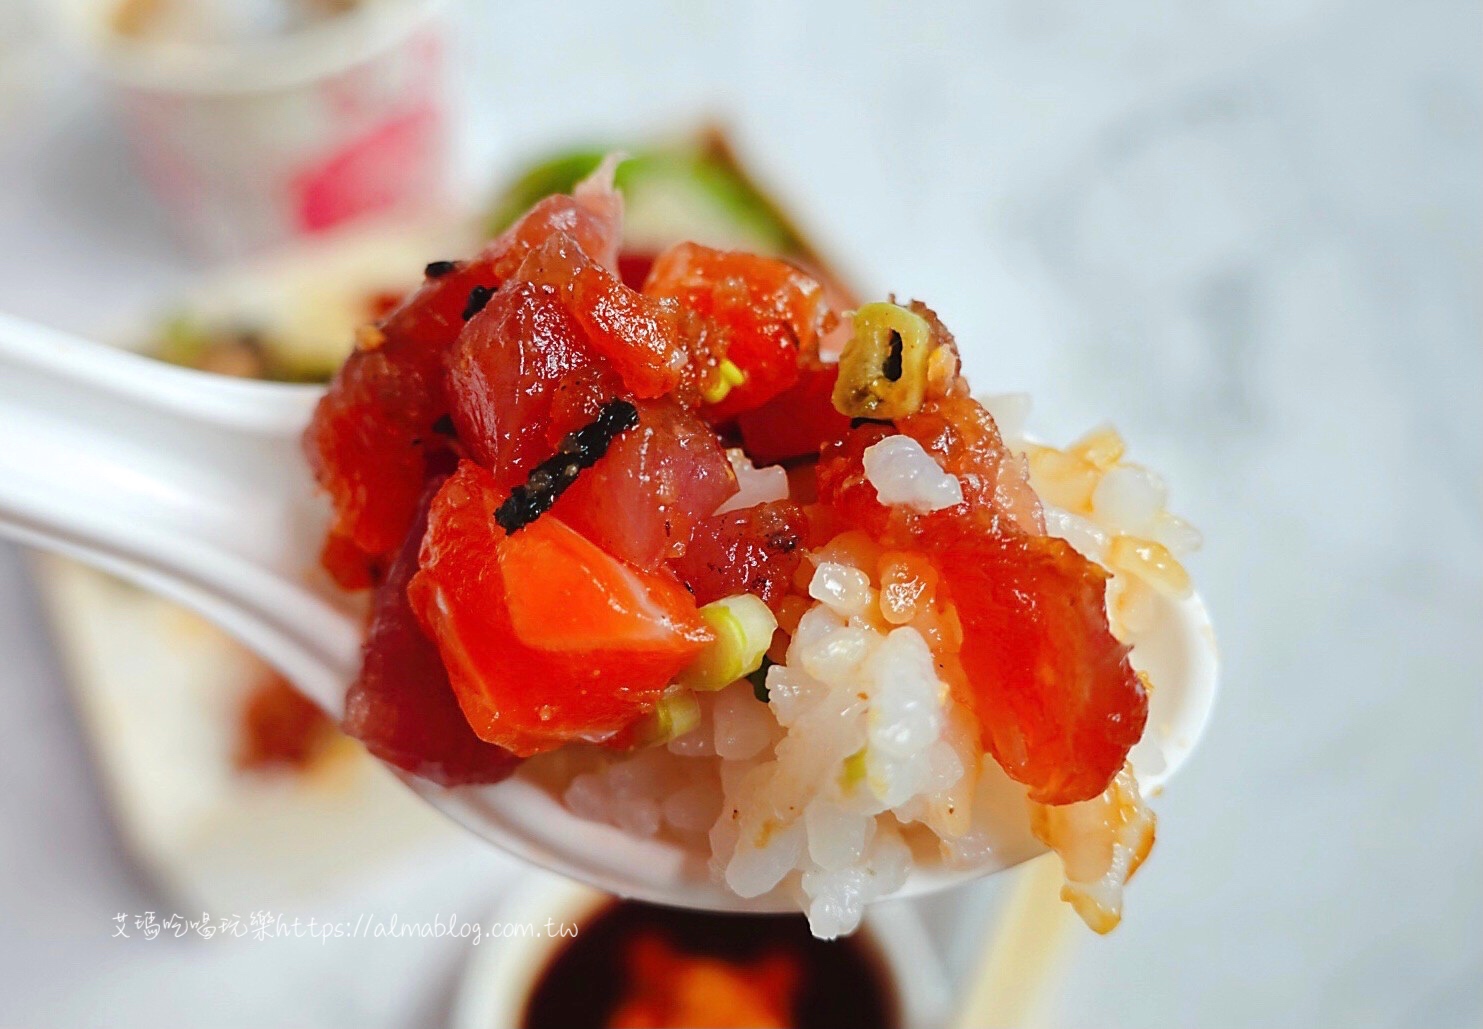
(754, 485)
(862, 715)
(1125, 509)
(903, 473)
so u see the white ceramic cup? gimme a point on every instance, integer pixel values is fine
(258, 143)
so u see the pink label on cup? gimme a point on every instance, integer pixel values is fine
(370, 173)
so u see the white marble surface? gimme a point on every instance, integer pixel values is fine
(1249, 233)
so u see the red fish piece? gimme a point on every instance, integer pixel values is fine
(1058, 704)
(754, 550)
(505, 375)
(592, 216)
(402, 705)
(796, 423)
(641, 499)
(757, 312)
(373, 437)
(507, 613)
(639, 335)
(997, 497)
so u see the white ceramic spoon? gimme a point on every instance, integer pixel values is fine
(192, 485)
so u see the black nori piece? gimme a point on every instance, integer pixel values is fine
(478, 297)
(579, 449)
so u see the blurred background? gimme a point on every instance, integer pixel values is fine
(1246, 233)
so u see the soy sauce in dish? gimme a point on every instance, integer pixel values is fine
(638, 964)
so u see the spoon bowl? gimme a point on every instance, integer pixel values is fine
(193, 486)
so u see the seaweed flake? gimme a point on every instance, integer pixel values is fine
(478, 297)
(579, 449)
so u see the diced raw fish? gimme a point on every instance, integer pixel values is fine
(640, 501)
(754, 550)
(402, 706)
(546, 638)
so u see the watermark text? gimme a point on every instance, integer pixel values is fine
(272, 925)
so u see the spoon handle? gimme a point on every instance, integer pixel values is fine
(186, 483)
